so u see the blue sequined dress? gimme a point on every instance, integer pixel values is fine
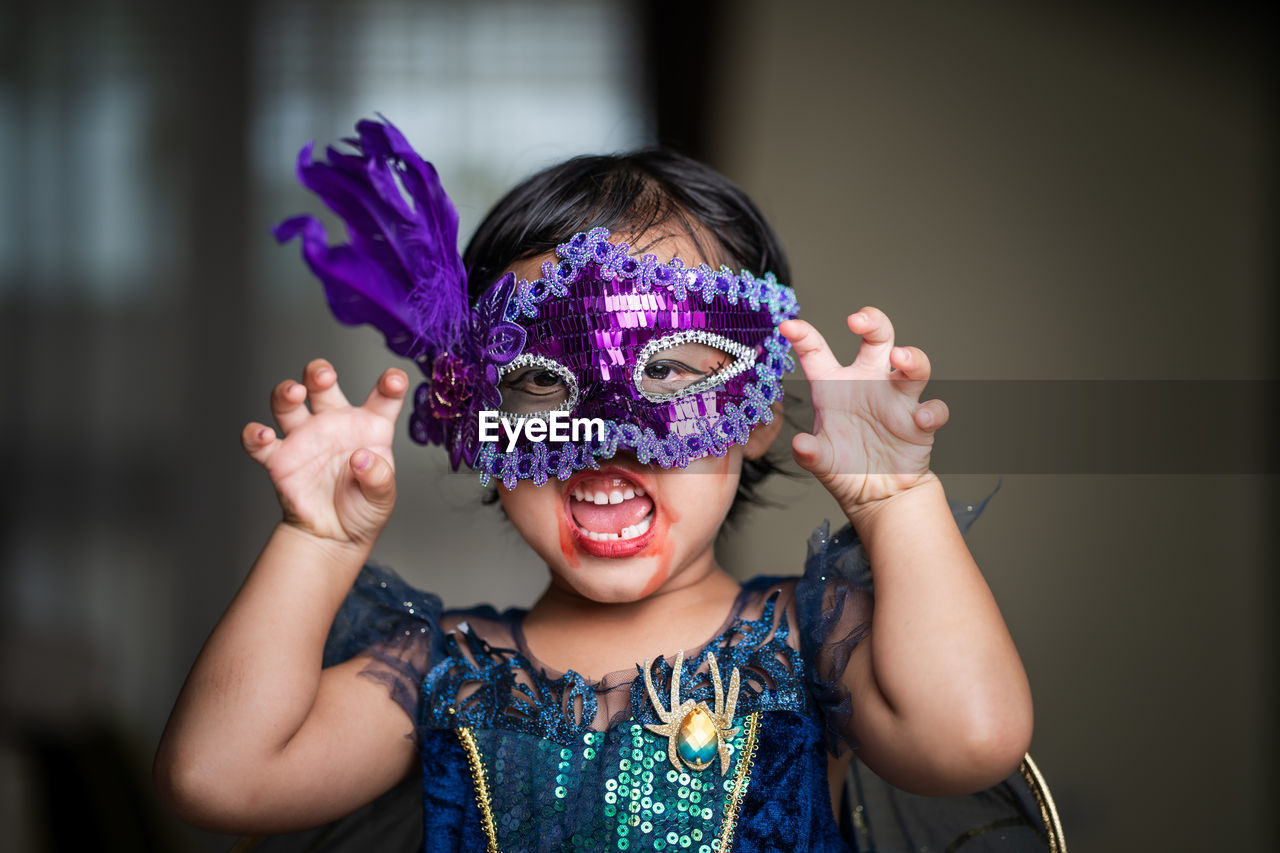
(518, 757)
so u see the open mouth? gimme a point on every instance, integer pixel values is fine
(611, 512)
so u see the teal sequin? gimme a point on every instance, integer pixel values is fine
(602, 797)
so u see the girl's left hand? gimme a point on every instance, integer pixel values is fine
(872, 437)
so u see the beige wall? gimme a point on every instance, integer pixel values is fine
(1063, 195)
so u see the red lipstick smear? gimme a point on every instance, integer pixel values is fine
(660, 548)
(567, 547)
(582, 516)
(659, 577)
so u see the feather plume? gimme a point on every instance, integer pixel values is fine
(400, 272)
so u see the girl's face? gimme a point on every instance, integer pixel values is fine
(627, 531)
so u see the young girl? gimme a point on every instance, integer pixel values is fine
(646, 700)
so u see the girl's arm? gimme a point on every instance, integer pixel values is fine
(262, 739)
(941, 703)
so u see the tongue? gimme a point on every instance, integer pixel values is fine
(609, 518)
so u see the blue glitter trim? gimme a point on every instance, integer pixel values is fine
(615, 262)
(485, 687)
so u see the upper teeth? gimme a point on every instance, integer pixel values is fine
(602, 497)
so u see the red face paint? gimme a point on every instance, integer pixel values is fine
(661, 550)
(659, 577)
(567, 545)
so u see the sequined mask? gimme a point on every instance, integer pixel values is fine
(679, 362)
(674, 361)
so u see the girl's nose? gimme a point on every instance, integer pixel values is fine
(616, 407)
(615, 401)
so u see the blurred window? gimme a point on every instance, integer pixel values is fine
(488, 91)
(85, 210)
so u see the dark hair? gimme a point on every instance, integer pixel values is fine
(631, 193)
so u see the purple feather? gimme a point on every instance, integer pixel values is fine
(401, 272)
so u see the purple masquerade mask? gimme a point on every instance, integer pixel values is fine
(669, 361)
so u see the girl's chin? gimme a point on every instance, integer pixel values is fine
(608, 594)
(610, 581)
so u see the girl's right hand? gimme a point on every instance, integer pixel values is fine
(331, 466)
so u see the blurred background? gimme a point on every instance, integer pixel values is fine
(1074, 192)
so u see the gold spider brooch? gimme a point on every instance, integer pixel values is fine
(695, 733)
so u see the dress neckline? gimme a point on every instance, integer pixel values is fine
(515, 619)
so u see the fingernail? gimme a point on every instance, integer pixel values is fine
(362, 460)
(263, 433)
(926, 418)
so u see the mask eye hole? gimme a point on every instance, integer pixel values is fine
(688, 362)
(531, 384)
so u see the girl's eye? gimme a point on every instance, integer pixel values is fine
(535, 388)
(682, 366)
(657, 371)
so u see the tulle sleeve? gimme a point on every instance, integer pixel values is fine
(397, 626)
(835, 601)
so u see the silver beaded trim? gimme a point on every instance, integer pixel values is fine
(531, 360)
(744, 359)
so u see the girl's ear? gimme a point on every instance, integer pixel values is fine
(763, 436)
